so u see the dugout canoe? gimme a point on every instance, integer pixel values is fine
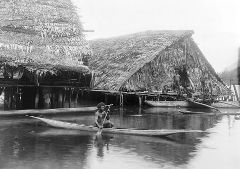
(191, 112)
(183, 104)
(82, 127)
(166, 103)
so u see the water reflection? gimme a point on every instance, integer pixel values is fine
(26, 143)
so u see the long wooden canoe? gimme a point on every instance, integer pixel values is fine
(74, 126)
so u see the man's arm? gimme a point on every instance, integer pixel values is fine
(96, 120)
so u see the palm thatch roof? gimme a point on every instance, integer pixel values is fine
(116, 60)
(42, 36)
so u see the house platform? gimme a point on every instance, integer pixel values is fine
(47, 111)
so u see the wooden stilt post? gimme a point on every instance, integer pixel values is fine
(82, 93)
(140, 110)
(20, 98)
(70, 97)
(47, 98)
(76, 99)
(121, 112)
(117, 98)
(37, 98)
(236, 93)
(106, 98)
(139, 100)
(17, 98)
(52, 98)
(11, 98)
(185, 52)
(60, 98)
(121, 99)
(5, 99)
(64, 97)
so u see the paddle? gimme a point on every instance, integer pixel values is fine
(100, 129)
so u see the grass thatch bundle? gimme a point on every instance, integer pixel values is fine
(42, 35)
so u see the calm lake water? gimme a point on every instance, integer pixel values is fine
(29, 144)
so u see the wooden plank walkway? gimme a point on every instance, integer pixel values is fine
(47, 111)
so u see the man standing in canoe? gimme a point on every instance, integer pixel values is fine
(102, 118)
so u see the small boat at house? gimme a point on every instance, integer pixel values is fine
(192, 112)
(136, 132)
(190, 103)
(166, 103)
(173, 100)
(183, 104)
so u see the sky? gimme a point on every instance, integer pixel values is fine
(216, 23)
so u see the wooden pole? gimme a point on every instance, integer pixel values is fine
(106, 98)
(185, 52)
(53, 98)
(17, 98)
(139, 100)
(11, 98)
(236, 93)
(60, 98)
(37, 98)
(20, 98)
(5, 99)
(70, 97)
(76, 99)
(140, 110)
(121, 99)
(121, 112)
(117, 98)
(92, 80)
(64, 97)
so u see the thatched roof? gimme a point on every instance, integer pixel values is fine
(42, 35)
(115, 60)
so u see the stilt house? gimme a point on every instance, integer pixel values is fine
(43, 53)
(152, 61)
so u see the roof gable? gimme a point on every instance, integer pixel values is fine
(115, 60)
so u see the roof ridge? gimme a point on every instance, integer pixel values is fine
(153, 56)
(141, 33)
